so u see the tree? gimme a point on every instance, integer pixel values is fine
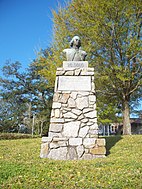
(111, 33)
(42, 97)
(12, 98)
(47, 62)
(24, 95)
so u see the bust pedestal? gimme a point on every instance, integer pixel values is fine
(73, 131)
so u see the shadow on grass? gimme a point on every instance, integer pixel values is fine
(111, 141)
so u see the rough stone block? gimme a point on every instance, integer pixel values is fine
(90, 124)
(56, 120)
(53, 134)
(71, 103)
(84, 120)
(64, 105)
(62, 143)
(75, 141)
(81, 117)
(54, 145)
(56, 97)
(93, 135)
(98, 156)
(57, 139)
(64, 98)
(94, 126)
(57, 113)
(93, 86)
(89, 142)
(80, 150)
(94, 106)
(86, 110)
(46, 139)
(101, 142)
(57, 144)
(52, 113)
(82, 102)
(94, 120)
(71, 129)
(58, 154)
(64, 111)
(56, 105)
(73, 95)
(86, 151)
(76, 112)
(91, 106)
(70, 115)
(87, 156)
(67, 109)
(91, 114)
(83, 131)
(44, 150)
(71, 72)
(77, 71)
(98, 150)
(83, 93)
(56, 84)
(90, 69)
(93, 132)
(60, 69)
(60, 72)
(86, 72)
(89, 73)
(83, 125)
(92, 98)
(72, 155)
(55, 127)
(67, 91)
(93, 78)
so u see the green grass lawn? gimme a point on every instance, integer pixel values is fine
(21, 167)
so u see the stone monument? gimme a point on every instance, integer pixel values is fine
(73, 130)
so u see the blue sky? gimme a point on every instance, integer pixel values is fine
(25, 28)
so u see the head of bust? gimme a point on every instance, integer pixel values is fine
(75, 42)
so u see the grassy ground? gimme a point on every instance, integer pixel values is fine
(21, 167)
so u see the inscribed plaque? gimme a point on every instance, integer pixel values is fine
(74, 83)
(75, 64)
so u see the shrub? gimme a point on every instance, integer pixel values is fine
(12, 136)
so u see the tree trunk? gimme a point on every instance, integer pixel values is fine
(33, 124)
(126, 118)
(41, 128)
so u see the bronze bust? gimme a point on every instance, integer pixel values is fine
(75, 53)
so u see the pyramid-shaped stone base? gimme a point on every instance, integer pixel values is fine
(73, 131)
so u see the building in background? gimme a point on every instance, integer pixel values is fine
(117, 128)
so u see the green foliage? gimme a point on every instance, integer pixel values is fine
(13, 136)
(48, 60)
(24, 95)
(21, 167)
(111, 35)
